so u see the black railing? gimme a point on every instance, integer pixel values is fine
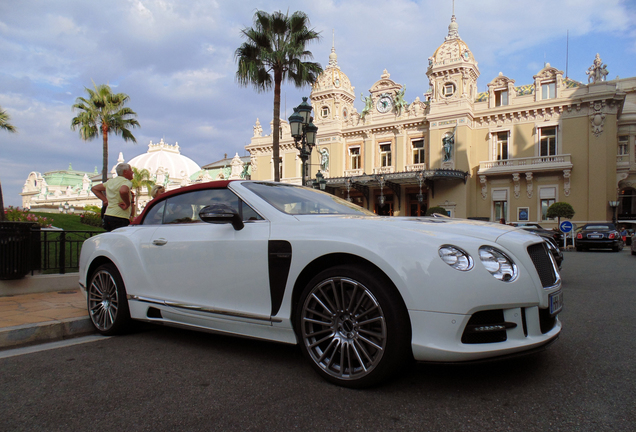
(61, 249)
(19, 249)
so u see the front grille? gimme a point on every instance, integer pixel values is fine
(493, 317)
(540, 256)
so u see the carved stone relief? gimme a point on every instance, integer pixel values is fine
(484, 186)
(566, 181)
(529, 185)
(597, 117)
(517, 189)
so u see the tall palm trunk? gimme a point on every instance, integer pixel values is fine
(105, 153)
(2, 217)
(278, 78)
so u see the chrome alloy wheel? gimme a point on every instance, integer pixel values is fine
(103, 300)
(344, 328)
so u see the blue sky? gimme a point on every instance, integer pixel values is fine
(175, 59)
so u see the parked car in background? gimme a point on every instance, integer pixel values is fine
(599, 236)
(556, 235)
(548, 236)
(361, 294)
(633, 247)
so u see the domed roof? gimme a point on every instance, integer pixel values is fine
(332, 78)
(166, 158)
(453, 49)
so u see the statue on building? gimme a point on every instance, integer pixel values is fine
(368, 105)
(400, 103)
(258, 129)
(447, 145)
(324, 159)
(237, 167)
(597, 72)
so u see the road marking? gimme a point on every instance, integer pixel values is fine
(51, 345)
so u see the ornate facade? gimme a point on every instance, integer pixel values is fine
(507, 153)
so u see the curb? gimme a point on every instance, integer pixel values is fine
(28, 334)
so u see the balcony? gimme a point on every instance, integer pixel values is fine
(383, 170)
(415, 167)
(530, 164)
(353, 172)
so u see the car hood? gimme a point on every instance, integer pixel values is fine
(488, 231)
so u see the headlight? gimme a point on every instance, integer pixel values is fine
(456, 258)
(498, 264)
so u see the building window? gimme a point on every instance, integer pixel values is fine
(385, 155)
(501, 98)
(547, 141)
(500, 210)
(623, 145)
(502, 145)
(354, 158)
(324, 112)
(418, 152)
(500, 205)
(547, 197)
(448, 89)
(548, 90)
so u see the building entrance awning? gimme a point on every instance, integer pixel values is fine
(401, 178)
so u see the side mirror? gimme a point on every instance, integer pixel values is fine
(221, 214)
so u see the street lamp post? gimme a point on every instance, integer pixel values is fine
(613, 205)
(304, 133)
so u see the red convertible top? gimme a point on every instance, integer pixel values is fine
(217, 184)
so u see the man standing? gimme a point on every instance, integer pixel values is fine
(117, 194)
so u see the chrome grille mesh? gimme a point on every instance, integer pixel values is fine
(540, 256)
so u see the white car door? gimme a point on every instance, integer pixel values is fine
(211, 266)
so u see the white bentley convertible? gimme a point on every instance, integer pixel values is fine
(361, 294)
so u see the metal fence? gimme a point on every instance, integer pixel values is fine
(61, 249)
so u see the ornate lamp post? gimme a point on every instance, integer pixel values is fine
(304, 133)
(613, 205)
(320, 182)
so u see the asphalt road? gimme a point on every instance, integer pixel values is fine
(168, 379)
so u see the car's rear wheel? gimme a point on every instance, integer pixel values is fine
(352, 327)
(107, 303)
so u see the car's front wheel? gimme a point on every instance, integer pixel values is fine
(353, 328)
(107, 303)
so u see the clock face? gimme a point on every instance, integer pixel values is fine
(385, 103)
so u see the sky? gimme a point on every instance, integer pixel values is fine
(175, 59)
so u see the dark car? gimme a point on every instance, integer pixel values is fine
(556, 235)
(549, 237)
(599, 235)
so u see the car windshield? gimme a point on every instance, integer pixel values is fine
(298, 200)
(598, 227)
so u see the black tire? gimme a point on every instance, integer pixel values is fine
(633, 253)
(352, 327)
(107, 302)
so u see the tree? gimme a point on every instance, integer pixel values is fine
(275, 52)
(141, 178)
(559, 210)
(104, 112)
(5, 125)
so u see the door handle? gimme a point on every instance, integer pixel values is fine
(160, 241)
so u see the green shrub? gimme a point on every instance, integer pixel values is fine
(91, 218)
(440, 210)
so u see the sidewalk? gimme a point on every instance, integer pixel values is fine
(30, 318)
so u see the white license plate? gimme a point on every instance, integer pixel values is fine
(556, 302)
(595, 236)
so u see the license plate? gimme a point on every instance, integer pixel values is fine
(595, 236)
(556, 302)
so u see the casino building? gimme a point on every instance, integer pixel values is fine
(506, 153)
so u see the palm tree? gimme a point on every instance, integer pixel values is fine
(141, 178)
(5, 125)
(275, 52)
(104, 112)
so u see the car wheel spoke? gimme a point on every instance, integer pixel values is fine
(351, 342)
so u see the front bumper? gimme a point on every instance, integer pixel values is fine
(437, 337)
